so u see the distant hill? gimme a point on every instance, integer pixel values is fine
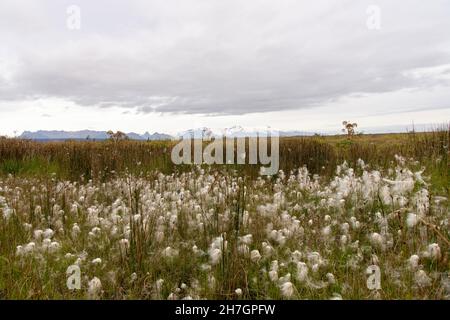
(43, 135)
(58, 135)
(236, 131)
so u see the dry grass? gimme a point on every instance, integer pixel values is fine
(76, 159)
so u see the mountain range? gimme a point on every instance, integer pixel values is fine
(205, 132)
(44, 135)
(236, 131)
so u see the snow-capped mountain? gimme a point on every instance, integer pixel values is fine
(237, 132)
(202, 132)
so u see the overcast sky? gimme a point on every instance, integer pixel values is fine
(172, 65)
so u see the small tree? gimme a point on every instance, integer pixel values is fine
(118, 136)
(349, 128)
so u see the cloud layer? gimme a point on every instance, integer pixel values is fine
(220, 57)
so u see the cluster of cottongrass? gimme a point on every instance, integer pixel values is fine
(212, 234)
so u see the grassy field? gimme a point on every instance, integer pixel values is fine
(139, 227)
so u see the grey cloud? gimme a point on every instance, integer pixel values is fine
(228, 57)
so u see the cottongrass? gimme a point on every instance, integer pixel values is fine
(212, 234)
(94, 288)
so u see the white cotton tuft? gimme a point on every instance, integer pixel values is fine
(170, 253)
(326, 231)
(286, 278)
(336, 296)
(413, 262)
(330, 277)
(94, 288)
(314, 258)
(412, 220)
(124, 244)
(54, 247)
(75, 230)
(344, 240)
(255, 256)
(158, 285)
(215, 255)
(302, 272)
(273, 275)
(345, 227)
(247, 239)
(422, 279)
(48, 233)
(434, 251)
(243, 249)
(287, 289)
(37, 234)
(29, 247)
(19, 251)
(376, 239)
(267, 249)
